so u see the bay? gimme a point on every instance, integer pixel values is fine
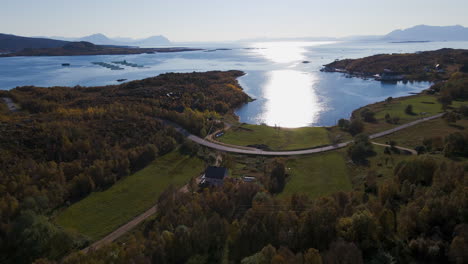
(284, 78)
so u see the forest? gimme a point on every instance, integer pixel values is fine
(66, 142)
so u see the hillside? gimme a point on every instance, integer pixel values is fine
(12, 43)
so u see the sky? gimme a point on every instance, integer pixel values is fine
(224, 20)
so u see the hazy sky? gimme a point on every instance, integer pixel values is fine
(219, 20)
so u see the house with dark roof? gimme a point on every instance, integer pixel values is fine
(214, 176)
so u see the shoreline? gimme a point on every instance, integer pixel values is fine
(232, 112)
(110, 51)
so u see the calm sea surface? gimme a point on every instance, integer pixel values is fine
(288, 92)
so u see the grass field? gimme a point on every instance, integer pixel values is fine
(426, 104)
(276, 138)
(414, 136)
(317, 175)
(423, 106)
(102, 212)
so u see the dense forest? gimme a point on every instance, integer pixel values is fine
(65, 142)
(427, 65)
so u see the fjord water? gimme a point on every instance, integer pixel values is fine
(288, 92)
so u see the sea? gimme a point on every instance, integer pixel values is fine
(283, 77)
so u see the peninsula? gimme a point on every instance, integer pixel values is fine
(88, 48)
(420, 66)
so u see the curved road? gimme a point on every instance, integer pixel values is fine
(243, 150)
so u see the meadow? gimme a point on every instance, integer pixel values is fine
(317, 175)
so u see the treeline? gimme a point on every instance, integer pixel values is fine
(68, 142)
(420, 216)
(454, 89)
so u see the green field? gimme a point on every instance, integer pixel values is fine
(102, 212)
(317, 175)
(426, 104)
(423, 106)
(276, 138)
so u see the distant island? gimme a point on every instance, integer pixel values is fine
(87, 48)
(421, 66)
(12, 46)
(429, 33)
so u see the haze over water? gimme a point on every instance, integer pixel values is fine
(288, 92)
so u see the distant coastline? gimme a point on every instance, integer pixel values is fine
(411, 41)
(87, 48)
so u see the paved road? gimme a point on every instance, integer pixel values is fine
(243, 150)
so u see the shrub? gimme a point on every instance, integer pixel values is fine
(409, 110)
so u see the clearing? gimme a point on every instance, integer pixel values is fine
(317, 175)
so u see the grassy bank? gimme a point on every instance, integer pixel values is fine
(102, 212)
(317, 175)
(276, 138)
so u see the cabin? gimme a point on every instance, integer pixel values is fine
(214, 176)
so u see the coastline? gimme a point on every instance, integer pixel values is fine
(108, 51)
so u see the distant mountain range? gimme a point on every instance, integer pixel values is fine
(416, 33)
(101, 39)
(12, 43)
(429, 33)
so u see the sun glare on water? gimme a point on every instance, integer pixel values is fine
(291, 99)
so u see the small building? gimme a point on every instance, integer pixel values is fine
(214, 176)
(248, 179)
